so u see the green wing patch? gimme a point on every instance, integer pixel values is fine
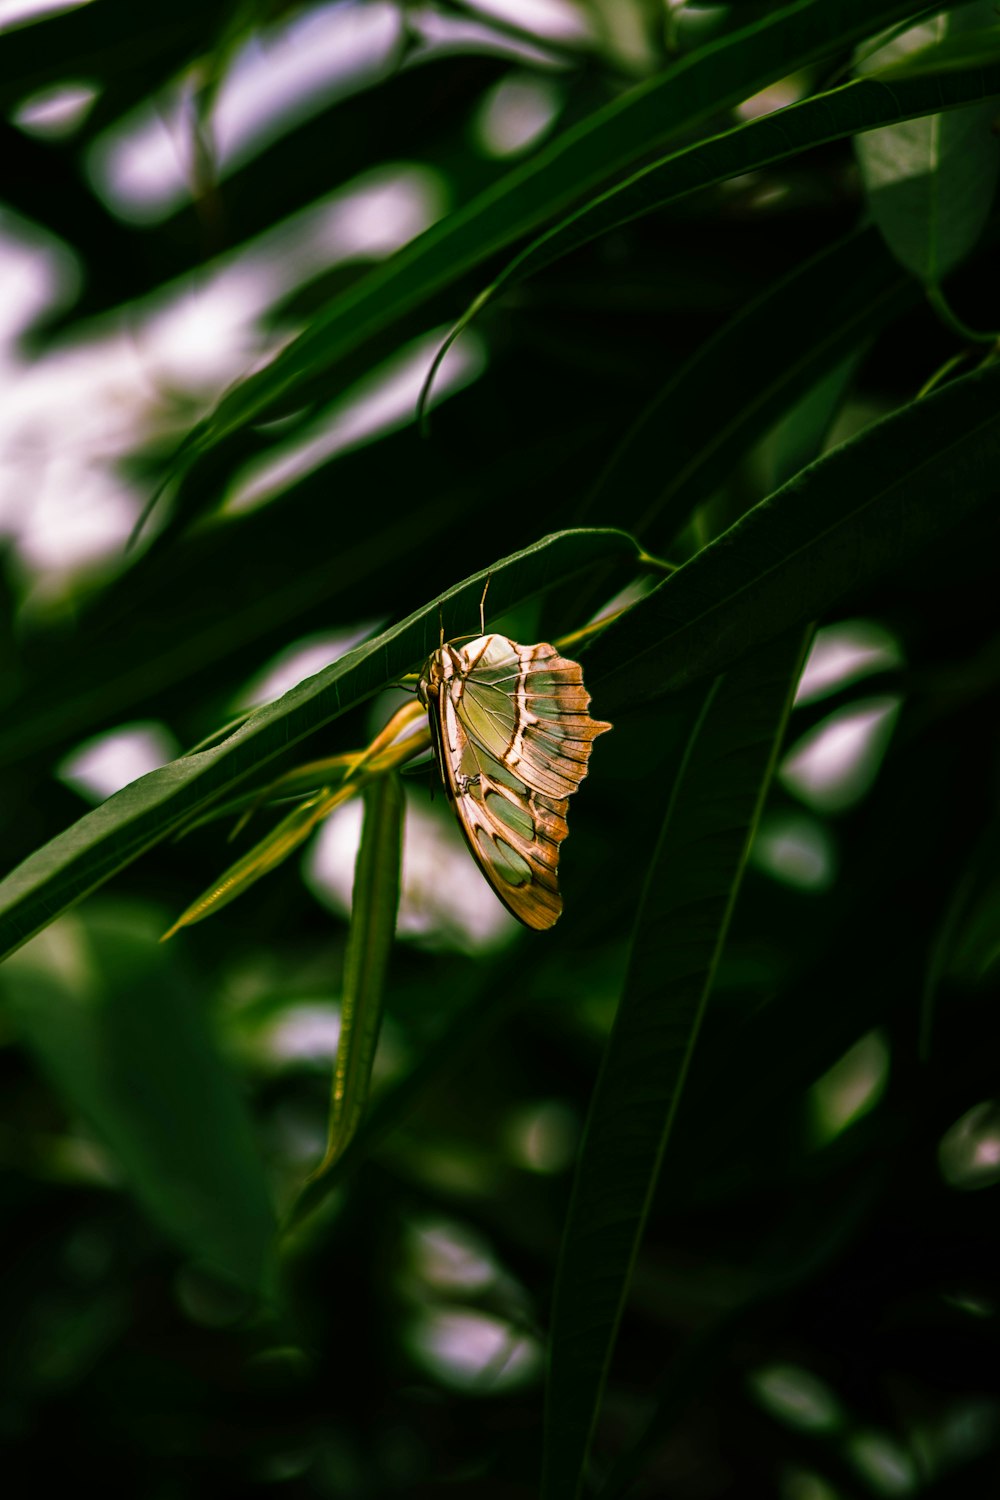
(513, 737)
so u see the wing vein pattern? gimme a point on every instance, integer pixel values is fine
(513, 735)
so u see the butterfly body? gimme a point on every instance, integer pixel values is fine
(512, 736)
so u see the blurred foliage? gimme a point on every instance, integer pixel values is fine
(694, 1194)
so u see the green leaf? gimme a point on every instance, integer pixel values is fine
(690, 893)
(120, 1029)
(744, 378)
(864, 104)
(179, 644)
(112, 835)
(298, 783)
(961, 48)
(967, 943)
(407, 734)
(574, 165)
(930, 182)
(373, 927)
(892, 492)
(798, 439)
(466, 1010)
(266, 855)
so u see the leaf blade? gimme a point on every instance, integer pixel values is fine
(895, 490)
(746, 376)
(369, 945)
(690, 892)
(119, 1028)
(850, 109)
(575, 163)
(109, 837)
(930, 182)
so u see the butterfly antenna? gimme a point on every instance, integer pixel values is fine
(441, 624)
(482, 605)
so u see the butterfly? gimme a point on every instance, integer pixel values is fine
(512, 737)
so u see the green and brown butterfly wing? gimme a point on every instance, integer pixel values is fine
(513, 832)
(513, 738)
(528, 707)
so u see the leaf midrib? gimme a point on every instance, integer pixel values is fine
(867, 85)
(788, 557)
(755, 404)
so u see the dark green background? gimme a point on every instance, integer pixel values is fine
(723, 300)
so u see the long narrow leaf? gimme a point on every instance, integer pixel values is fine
(409, 730)
(861, 105)
(896, 490)
(573, 165)
(265, 856)
(119, 1027)
(145, 644)
(690, 892)
(373, 926)
(134, 819)
(469, 1009)
(744, 378)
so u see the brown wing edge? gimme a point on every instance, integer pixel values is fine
(536, 902)
(563, 736)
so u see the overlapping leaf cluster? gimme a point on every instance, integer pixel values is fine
(735, 309)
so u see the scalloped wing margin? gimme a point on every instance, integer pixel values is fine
(514, 738)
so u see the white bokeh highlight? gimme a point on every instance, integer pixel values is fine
(473, 1351)
(542, 1137)
(55, 112)
(144, 166)
(305, 1033)
(18, 12)
(553, 20)
(835, 765)
(103, 765)
(778, 95)
(849, 1089)
(40, 275)
(445, 901)
(796, 1396)
(449, 1257)
(65, 501)
(969, 1153)
(888, 1468)
(795, 849)
(516, 113)
(844, 653)
(382, 403)
(297, 662)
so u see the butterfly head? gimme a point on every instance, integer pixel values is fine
(449, 662)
